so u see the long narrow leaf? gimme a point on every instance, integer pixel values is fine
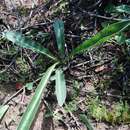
(101, 37)
(3, 109)
(60, 87)
(22, 41)
(32, 108)
(59, 32)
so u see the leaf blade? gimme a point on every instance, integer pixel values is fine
(101, 37)
(59, 33)
(22, 41)
(32, 108)
(60, 87)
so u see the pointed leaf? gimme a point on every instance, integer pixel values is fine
(32, 108)
(60, 87)
(59, 32)
(101, 37)
(22, 41)
(3, 109)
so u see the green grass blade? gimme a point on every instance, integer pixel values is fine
(22, 41)
(32, 108)
(60, 87)
(3, 109)
(59, 33)
(101, 37)
(85, 120)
